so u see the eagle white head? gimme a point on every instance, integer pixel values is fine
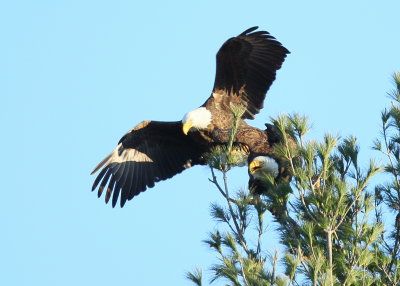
(199, 119)
(262, 165)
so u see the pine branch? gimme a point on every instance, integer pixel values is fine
(225, 192)
(195, 277)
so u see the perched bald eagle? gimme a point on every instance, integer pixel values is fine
(153, 151)
(269, 163)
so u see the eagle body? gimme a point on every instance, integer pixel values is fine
(268, 164)
(219, 106)
(152, 151)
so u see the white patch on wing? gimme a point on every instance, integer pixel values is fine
(127, 155)
(188, 164)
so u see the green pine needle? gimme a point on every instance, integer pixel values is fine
(196, 276)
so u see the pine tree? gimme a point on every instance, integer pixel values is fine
(333, 227)
(387, 195)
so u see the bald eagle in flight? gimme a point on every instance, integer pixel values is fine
(154, 151)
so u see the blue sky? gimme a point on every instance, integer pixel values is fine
(76, 75)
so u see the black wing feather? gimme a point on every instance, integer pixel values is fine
(249, 62)
(109, 189)
(103, 182)
(96, 182)
(150, 152)
(115, 193)
(125, 183)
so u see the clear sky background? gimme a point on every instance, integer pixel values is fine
(76, 75)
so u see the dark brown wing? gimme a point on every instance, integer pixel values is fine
(247, 65)
(150, 152)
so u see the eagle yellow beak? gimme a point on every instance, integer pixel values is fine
(186, 127)
(255, 166)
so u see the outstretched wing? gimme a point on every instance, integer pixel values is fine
(246, 67)
(150, 152)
